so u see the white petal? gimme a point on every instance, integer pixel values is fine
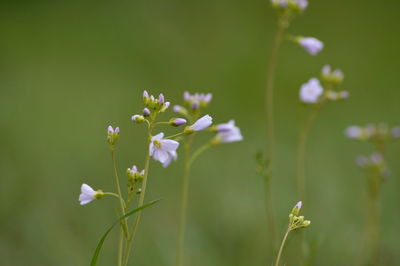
(169, 145)
(160, 155)
(202, 123)
(159, 136)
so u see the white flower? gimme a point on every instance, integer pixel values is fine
(228, 132)
(302, 4)
(354, 132)
(311, 91)
(202, 123)
(88, 194)
(163, 150)
(311, 45)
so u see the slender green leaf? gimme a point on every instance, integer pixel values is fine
(103, 238)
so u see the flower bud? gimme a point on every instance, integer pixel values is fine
(112, 135)
(146, 112)
(138, 118)
(177, 122)
(296, 208)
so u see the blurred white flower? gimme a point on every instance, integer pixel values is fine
(354, 132)
(228, 132)
(311, 44)
(311, 91)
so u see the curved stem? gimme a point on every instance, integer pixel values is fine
(301, 151)
(269, 109)
(184, 200)
(278, 258)
(198, 152)
(141, 198)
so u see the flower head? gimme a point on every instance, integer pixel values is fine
(197, 100)
(201, 124)
(163, 150)
(296, 221)
(112, 135)
(334, 77)
(227, 133)
(134, 174)
(311, 44)
(159, 104)
(88, 194)
(311, 91)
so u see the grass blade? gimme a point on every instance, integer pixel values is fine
(103, 238)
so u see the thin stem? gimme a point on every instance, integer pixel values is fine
(198, 152)
(124, 222)
(278, 258)
(114, 195)
(373, 220)
(175, 135)
(120, 246)
(269, 109)
(141, 198)
(184, 200)
(301, 150)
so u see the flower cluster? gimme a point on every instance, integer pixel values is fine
(373, 132)
(112, 135)
(313, 92)
(296, 221)
(375, 163)
(290, 5)
(193, 104)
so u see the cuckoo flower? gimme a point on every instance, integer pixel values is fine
(88, 194)
(163, 150)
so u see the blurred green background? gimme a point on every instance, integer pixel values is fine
(71, 68)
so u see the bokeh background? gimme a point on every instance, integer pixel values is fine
(71, 68)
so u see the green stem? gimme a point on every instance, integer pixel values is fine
(269, 108)
(184, 200)
(124, 226)
(120, 246)
(373, 212)
(278, 258)
(175, 135)
(141, 198)
(198, 152)
(301, 150)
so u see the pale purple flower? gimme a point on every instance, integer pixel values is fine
(87, 195)
(354, 132)
(311, 91)
(163, 150)
(111, 130)
(311, 45)
(228, 132)
(202, 123)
